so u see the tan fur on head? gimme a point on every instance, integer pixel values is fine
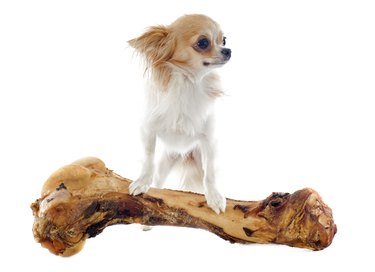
(175, 48)
(156, 46)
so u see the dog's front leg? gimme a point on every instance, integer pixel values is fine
(142, 184)
(214, 199)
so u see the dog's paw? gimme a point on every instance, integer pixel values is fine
(139, 186)
(216, 201)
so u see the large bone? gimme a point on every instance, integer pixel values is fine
(79, 200)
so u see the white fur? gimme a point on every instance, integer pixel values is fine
(181, 117)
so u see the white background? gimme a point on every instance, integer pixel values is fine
(299, 112)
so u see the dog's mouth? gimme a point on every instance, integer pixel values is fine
(216, 63)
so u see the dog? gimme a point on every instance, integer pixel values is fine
(180, 60)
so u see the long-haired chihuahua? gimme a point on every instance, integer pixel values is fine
(180, 60)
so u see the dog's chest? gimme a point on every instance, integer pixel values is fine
(182, 112)
(185, 113)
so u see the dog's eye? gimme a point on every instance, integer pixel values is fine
(224, 41)
(203, 43)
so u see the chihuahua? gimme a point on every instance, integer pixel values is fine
(180, 60)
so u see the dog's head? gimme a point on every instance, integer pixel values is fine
(193, 44)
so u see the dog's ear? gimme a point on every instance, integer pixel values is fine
(156, 45)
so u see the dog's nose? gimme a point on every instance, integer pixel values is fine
(226, 52)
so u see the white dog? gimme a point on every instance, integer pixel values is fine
(180, 59)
